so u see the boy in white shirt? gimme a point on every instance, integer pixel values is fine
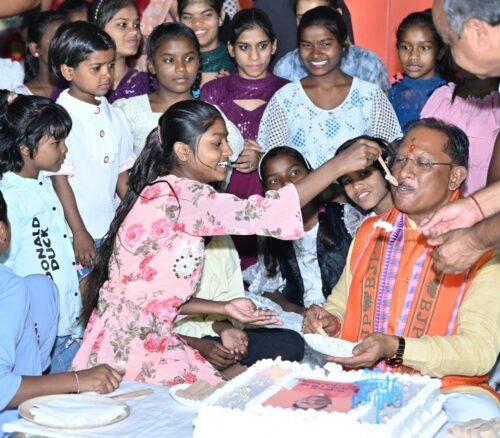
(100, 146)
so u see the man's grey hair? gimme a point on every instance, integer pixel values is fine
(459, 11)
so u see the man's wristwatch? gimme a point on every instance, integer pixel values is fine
(397, 359)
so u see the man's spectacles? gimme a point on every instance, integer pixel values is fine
(421, 164)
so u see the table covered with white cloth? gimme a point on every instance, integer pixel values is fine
(156, 414)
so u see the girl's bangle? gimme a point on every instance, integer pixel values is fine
(478, 206)
(77, 382)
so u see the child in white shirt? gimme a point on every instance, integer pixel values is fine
(99, 145)
(32, 133)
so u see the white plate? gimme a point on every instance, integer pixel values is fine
(330, 346)
(24, 409)
(184, 401)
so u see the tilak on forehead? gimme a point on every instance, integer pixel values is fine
(412, 146)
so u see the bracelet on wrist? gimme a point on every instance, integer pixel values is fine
(478, 206)
(77, 382)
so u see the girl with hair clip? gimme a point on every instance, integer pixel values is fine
(28, 308)
(328, 107)
(150, 262)
(420, 50)
(38, 77)
(174, 59)
(243, 96)
(32, 140)
(297, 274)
(120, 20)
(100, 143)
(205, 17)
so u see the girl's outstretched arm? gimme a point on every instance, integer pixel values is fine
(83, 243)
(240, 309)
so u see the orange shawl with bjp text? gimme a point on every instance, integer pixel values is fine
(417, 302)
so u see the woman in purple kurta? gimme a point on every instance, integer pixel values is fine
(243, 97)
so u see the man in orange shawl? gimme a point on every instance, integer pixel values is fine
(408, 317)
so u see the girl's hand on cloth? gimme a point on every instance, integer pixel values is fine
(84, 247)
(359, 156)
(245, 311)
(101, 379)
(369, 352)
(316, 317)
(249, 159)
(236, 341)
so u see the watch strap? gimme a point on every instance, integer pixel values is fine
(397, 359)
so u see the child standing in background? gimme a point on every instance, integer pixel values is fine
(174, 59)
(243, 96)
(205, 17)
(474, 106)
(317, 114)
(38, 76)
(357, 61)
(100, 144)
(120, 20)
(32, 140)
(419, 48)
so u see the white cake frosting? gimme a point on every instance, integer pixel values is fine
(238, 406)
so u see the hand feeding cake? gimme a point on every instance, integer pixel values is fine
(307, 402)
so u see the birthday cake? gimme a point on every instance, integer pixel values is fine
(278, 398)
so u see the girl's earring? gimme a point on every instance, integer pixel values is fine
(36, 55)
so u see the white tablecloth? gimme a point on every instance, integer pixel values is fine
(156, 414)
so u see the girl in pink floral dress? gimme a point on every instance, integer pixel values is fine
(150, 262)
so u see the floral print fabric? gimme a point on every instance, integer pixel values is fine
(156, 266)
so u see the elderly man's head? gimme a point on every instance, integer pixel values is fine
(472, 29)
(430, 163)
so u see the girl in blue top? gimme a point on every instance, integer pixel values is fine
(419, 49)
(28, 308)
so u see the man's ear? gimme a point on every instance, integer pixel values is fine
(477, 31)
(67, 72)
(182, 151)
(457, 177)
